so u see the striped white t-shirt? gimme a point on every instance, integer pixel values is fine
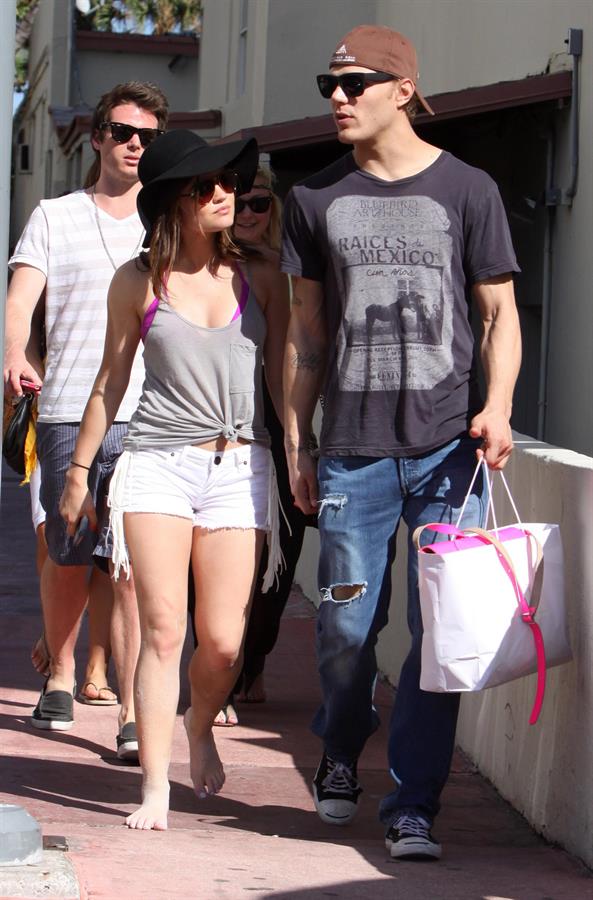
(63, 241)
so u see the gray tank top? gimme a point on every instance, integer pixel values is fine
(200, 383)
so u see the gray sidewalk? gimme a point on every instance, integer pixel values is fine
(261, 837)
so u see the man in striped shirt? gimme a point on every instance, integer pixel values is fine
(70, 248)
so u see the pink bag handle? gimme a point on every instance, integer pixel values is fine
(527, 611)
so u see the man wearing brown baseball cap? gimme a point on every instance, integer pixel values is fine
(384, 247)
(379, 48)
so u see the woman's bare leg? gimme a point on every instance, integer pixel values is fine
(99, 610)
(224, 564)
(39, 652)
(160, 548)
(125, 642)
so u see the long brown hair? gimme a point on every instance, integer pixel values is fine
(165, 243)
(144, 94)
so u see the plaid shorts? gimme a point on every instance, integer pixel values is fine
(55, 448)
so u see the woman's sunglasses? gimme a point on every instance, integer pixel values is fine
(203, 188)
(121, 133)
(255, 204)
(352, 83)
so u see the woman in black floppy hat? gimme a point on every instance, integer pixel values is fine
(196, 479)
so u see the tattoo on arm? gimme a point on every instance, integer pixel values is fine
(310, 361)
(293, 446)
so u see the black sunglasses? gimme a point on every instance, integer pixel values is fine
(352, 83)
(255, 204)
(203, 188)
(121, 133)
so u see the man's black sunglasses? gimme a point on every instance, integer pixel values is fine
(121, 133)
(352, 83)
(255, 204)
(203, 188)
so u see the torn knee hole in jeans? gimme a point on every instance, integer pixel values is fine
(343, 593)
(332, 501)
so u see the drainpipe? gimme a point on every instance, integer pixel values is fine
(554, 196)
(551, 200)
(575, 49)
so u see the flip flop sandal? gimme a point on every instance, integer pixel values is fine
(222, 718)
(97, 701)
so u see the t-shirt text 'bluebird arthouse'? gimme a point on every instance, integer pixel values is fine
(396, 260)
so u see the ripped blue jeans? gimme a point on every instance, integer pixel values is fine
(362, 500)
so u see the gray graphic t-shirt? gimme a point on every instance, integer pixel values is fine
(396, 260)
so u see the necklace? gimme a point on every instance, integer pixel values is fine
(102, 236)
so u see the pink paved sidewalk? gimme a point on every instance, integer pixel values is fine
(261, 838)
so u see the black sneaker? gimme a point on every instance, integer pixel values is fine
(127, 743)
(336, 791)
(409, 838)
(54, 710)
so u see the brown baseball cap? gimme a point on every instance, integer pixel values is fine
(380, 48)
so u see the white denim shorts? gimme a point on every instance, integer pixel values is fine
(233, 488)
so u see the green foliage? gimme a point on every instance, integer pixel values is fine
(25, 15)
(142, 16)
(123, 16)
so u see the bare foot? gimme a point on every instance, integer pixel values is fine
(153, 812)
(227, 716)
(255, 693)
(205, 766)
(40, 656)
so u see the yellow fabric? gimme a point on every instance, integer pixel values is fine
(31, 447)
(31, 440)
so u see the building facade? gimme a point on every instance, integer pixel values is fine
(68, 72)
(500, 77)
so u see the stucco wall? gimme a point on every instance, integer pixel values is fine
(219, 62)
(473, 42)
(546, 770)
(301, 38)
(99, 71)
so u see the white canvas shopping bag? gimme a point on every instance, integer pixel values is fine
(492, 604)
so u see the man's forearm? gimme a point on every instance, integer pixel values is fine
(304, 366)
(501, 360)
(18, 331)
(20, 360)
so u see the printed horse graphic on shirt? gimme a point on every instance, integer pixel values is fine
(405, 316)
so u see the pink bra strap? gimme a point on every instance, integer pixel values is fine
(244, 294)
(148, 318)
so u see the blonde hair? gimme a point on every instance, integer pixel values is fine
(265, 178)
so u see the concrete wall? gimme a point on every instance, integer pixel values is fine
(98, 71)
(220, 62)
(546, 770)
(301, 39)
(473, 42)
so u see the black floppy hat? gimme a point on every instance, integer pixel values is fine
(181, 154)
